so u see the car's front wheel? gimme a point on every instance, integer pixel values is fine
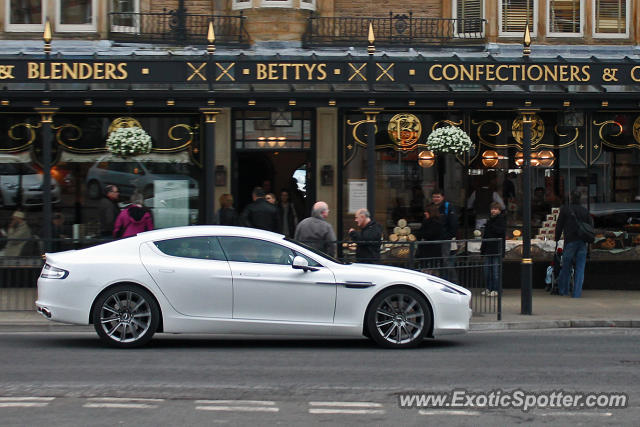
(126, 316)
(398, 318)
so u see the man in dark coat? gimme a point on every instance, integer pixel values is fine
(108, 210)
(260, 213)
(449, 220)
(368, 237)
(574, 246)
(495, 228)
(432, 229)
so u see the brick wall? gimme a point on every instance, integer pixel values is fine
(420, 8)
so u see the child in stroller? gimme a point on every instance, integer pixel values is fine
(553, 273)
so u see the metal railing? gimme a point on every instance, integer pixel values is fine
(176, 27)
(465, 266)
(396, 30)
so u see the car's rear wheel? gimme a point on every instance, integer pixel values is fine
(398, 318)
(93, 189)
(126, 316)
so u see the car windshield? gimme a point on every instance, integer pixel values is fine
(317, 252)
(168, 168)
(16, 169)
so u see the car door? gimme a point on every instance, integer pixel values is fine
(267, 287)
(192, 273)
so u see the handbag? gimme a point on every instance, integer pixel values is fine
(586, 231)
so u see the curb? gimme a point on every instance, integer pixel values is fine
(554, 324)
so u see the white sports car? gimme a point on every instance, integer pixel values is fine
(235, 280)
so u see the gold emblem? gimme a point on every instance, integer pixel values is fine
(124, 122)
(404, 130)
(537, 129)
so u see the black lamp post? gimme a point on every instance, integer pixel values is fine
(527, 262)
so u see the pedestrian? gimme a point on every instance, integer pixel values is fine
(575, 248)
(227, 214)
(316, 232)
(17, 233)
(108, 210)
(449, 220)
(495, 228)
(287, 213)
(271, 198)
(481, 198)
(58, 232)
(368, 238)
(431, 229)
(260, 213)
(135, 219)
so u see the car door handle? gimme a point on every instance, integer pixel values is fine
(250, 274)
(166, 270)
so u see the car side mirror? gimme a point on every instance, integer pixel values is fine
(301, 263)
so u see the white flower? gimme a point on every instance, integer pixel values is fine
(449, 139)
(129, 141)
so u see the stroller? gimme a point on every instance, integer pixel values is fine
(553, 273)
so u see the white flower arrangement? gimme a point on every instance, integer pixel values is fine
(129, 141)
(449, 139)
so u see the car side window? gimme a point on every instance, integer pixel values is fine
(200, 247)
(243, 249)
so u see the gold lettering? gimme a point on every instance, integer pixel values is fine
(551, 73)
(98, 70)
(284, 71)
(479, 71)
(69, 72)
(297, 66)
(432, 75)
(122, 67)
(261, 71)
(499, 73)
(634, 76)
(55, 70)
(6, 72)
(32, 68)
(446, 74)
(574, 73)
(273, 72)
(85, 71)
(109, 71)
(563, 73)
(514, 71)
(466, 72)
(322, 73)
(43, 71)
(310, 68)
(530, 74)
(490, 72)
(586, 73)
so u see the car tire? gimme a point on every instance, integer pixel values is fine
(93, 190)
(126, 316)
(398, 318)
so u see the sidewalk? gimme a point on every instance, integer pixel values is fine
(595, 309)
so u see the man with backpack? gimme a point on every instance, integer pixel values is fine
(573, 220)
(449, 221)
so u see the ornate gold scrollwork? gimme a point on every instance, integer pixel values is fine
(404, 130)
(29, 140)
(604, 140)
(537, 128)
(442, 122)
(564, 144)
(69, 147)
(481, 125)
(170, 134)
(123, 122)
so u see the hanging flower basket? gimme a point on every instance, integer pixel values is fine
(129, 141)
(449, 139)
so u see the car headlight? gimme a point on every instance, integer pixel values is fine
(51, 272)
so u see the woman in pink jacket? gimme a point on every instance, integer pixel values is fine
(134, 219)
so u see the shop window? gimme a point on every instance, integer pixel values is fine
(75, 15)
(610, 18)
(241, 4)
(469, 14)
(515, 15)
(276, 3)
(308, 4)
(565, 18)
(24, 15)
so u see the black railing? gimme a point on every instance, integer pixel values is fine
(394, 30)
(176, 27)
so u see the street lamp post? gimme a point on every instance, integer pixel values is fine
(527, 262)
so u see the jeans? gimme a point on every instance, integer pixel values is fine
(577, 250)
(491, 270)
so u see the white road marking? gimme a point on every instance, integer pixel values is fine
(573, 414)
(122, 399)
(448, 412)
(30, 399)
(239, 408)
(348, 404)
(345, 411)
(119, 405)
(239, 402)
(23, 404)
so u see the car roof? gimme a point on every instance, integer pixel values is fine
(199, 230)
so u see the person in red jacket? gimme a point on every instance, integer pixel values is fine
(135, 219)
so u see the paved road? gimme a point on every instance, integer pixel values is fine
(71, 379)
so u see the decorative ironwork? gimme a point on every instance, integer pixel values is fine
(392, 30)
(123, 122)
(537, 128)
(31, 136)
(177, 26)
(405, 130)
